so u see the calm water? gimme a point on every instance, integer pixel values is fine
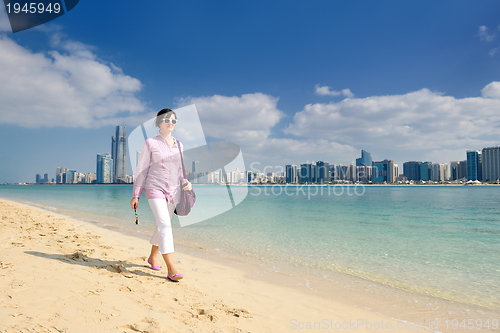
(440, 241)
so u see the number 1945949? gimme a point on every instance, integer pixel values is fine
(471, 324)
(33, 8)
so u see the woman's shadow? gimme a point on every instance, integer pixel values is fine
(78, 258)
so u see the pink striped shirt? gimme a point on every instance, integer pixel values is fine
(159, 170)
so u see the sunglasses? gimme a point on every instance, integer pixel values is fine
(167, 121)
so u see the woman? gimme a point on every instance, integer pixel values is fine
(159, 174)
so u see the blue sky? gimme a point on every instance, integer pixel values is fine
(289, 81)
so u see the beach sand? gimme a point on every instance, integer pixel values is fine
(60, 274)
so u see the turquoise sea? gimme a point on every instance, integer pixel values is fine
(441, 241)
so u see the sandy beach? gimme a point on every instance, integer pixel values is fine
(60, 274)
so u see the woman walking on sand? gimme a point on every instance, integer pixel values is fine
(159, 174)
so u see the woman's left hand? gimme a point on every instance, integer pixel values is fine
(187, 186)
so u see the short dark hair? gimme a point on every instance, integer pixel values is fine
(160, 114)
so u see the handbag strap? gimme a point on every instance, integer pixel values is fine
(182, 160)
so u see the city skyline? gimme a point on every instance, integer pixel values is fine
(364, 170)
(310, 81)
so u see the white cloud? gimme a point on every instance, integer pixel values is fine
(491, 90)
(246, 120)
(484, 34)
(71, 89)
(325, 91)
(421, 120)
(420, 125)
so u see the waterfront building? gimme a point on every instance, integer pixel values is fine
(322, 172)
(61, 175)
(291, 173)
(365, 159)
(425, 171)
(89, 178)
(104, 169)
(342, 172)
(491, 163)
(119, 155)
(458, 170)
(439, 171)
(474, 165)
(251, 175)
(383, 171)
(363, 173)
(194, 166)
(395, 172)
(71, 177)
(462, 174)
(401, 179)
(411, 170)
(306, 173)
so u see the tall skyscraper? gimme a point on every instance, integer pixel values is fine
(425, 171)
(343, 172)
(365, 159)
(119, 155)
(458, 170)
(474, 165)
(491, 163)
(322, 172)
(363, 173)
(291, 174)
(194, 164)
(411, 170)
(383, 171)
(306, 173)
(104, 169)
(439, 171)
(71, 177)
(61, 175)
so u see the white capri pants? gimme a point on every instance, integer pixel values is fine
(162, 237)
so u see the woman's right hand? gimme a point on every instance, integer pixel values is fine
(134, 203)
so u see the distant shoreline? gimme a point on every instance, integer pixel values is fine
(268, 185)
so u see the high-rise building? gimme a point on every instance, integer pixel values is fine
(383, 171)
(462, 174)
(194, 166)
(61, 175)
(104, 169)
(411, 170)
(71, 177)
(491, 163)
(119, 155)
(363, 173)
(291, 174)
(306, 173)
(458, 170)
(365, 159)
(425, 171)
(322, 172)
(342, 172)
(439, 171)
(474, 165)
